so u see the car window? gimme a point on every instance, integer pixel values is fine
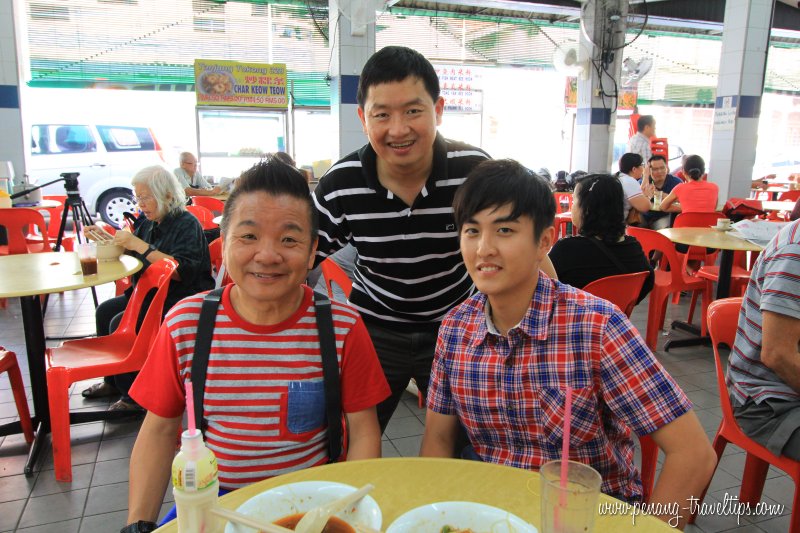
(61, 139)
(126, 139)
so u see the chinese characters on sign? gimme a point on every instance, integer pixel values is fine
(461, 88)
(229, 83)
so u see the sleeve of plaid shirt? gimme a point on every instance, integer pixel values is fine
(439, 398)
(634, 384)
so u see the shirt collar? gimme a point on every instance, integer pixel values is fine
(369, 164)
(534, 323)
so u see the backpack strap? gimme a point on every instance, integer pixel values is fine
(202, 348)
(330, 374)
(330, 365)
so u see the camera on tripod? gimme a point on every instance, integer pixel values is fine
(71, 182)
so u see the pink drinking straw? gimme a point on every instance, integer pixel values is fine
(190, 406)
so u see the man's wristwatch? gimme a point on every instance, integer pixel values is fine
(142, 526)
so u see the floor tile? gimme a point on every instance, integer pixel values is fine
(47, 484)
(107, 498)
(54, 508)
(15, 487)
(115, 448)
(10, 513)
(404, 427)
(104, 523)
(68, 526)
(108, 472)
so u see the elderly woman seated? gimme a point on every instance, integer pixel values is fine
(265, 402)
(165, 230)
(601, 247)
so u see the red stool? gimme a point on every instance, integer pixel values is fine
(8, 363)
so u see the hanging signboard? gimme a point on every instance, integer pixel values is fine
(460, 87)
(230, 83)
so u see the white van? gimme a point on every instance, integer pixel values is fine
(107, 157)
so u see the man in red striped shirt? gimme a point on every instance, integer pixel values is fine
(264, 392)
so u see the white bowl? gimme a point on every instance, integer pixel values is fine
(109, 252)
(476, 516)
(303, 496)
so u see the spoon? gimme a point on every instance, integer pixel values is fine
(315, 519)
(239, 518)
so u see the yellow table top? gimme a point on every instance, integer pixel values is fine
(31, 274)
(709, 238)
(402, 484)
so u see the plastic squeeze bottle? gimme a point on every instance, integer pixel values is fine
(194, 479)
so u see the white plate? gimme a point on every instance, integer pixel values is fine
(293, 498)
(476, 516)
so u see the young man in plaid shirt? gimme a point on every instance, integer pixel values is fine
(505, 357)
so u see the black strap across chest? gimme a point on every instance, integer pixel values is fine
(330, 365)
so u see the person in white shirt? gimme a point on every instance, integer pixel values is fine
(636, 196)
(193, 182)
(640, 143)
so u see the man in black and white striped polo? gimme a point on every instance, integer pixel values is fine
(392, 199)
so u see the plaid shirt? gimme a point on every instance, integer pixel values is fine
(509, 391)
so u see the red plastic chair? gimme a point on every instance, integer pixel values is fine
(333, 273)
(204, 215)
(622, 290)
(125, 350)
(54, 223)
(213, 204)
(8, 363)
(723, 318)
(666, 282)
(215, 250)
(19, 223)
(792, 196)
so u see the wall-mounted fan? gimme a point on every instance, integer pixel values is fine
(633, 71)
(571, 59)
(363, 12)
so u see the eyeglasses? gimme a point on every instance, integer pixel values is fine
(658, 169)
(141, 199)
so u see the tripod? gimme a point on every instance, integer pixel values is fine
(81, 217)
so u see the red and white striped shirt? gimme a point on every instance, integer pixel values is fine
(264, 394)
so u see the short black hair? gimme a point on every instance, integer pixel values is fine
(274, 177)
(657, 157)
(600, 200)
(396, 63)
(694, 167)
(644, 121)
(496, 183)
(630, 161)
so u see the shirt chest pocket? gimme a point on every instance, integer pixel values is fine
(585, 425)
(305, 406)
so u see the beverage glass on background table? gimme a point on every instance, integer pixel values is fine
(571, 509)
(724, 223)
(657, 197)
(87, 253)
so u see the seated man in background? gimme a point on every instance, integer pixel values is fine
(637, 192)
(265, 349)
(663, 182)
(193, 182)
(505, 357)
(764, 371)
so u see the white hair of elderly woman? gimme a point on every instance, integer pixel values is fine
(164, 187)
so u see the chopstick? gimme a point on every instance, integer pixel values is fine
(100, 235)
(239, 518)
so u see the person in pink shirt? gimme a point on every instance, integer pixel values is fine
(696, 195)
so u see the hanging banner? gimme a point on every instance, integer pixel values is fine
(460, 87)
(230, 83)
